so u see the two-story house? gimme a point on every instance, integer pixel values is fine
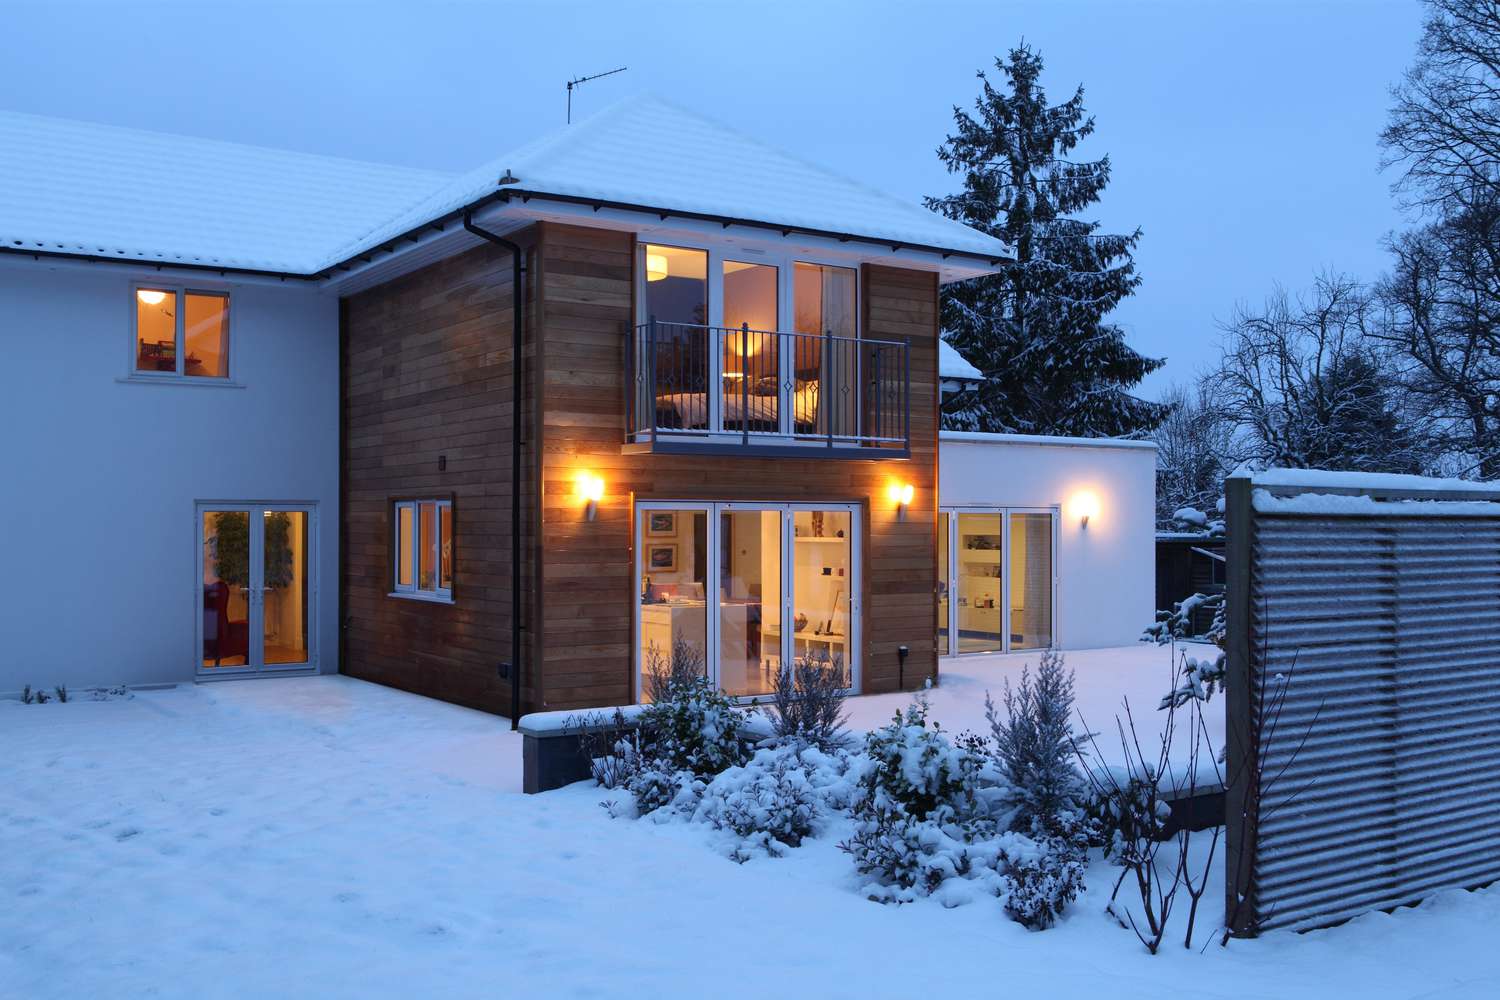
(494, 436)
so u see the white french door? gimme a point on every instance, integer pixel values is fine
(255, 577)
(748, 588)
(997, 579)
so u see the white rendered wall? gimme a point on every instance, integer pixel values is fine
(99, 478)
(1106, 575)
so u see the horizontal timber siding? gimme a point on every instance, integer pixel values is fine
(427, 372)
(587, 575)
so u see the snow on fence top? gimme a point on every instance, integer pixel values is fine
(1319, 491)
(101, 191)
(1371, 482)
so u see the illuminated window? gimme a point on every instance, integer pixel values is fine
(182, 333)
(422, 549)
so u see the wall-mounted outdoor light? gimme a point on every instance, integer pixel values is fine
(590, 489)
(1086, 506)
(901, 495)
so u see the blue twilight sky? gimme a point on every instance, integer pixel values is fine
(1243, 134)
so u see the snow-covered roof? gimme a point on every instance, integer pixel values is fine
(127, 194)
(952, 365)
(104, 191)
(646, 152)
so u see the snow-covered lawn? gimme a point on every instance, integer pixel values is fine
(324, 837)
(1103, 679)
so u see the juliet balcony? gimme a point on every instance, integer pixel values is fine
(722, 390)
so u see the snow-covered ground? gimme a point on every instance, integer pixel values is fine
(1103, 681)
(323, 837)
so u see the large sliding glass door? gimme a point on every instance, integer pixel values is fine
(996, 581)
(255, 569)
(784, 590)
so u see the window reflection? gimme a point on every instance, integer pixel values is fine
(674, 601)
(752, 370)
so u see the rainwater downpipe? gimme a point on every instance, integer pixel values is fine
(518, 321)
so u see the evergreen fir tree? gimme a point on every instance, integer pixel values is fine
(1036, 329)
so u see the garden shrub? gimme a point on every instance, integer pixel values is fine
(688, 732)
(918, 819)
(772, 802)
(1036, 749)
(1038, 886)
(808, 704)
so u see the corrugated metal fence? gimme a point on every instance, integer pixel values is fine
(1362, 697)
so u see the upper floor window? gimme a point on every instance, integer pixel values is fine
(764, 345)
(181, 332)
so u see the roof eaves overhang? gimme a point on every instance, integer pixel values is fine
(663, 214)
(335, 272)
(524, 196)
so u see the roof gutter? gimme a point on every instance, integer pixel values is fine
(517, 324)
(508, 194)
(37, 253)
(726, 221)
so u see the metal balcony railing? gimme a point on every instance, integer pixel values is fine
(705, 388)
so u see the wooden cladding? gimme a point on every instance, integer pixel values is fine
(427, 375)
(427, 372)
(587, 567)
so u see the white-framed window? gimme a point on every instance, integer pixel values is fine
(422, 549)
(747, 588)
(790, 291)
(748, 340)
(179, 333)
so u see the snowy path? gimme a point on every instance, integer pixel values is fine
(323, 837)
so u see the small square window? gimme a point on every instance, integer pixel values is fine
(182, 333)
(422, 549)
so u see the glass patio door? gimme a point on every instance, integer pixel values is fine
(749, 588)
(996, 580)
(254, 571)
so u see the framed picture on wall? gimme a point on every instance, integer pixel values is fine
(661, 558)
(661, 523)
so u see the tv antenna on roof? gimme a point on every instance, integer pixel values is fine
(585, 79)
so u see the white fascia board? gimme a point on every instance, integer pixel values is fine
(504, 218)
(1043, 440)
(175, 274)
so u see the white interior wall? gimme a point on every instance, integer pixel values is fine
(1105, 572)
(100, 477)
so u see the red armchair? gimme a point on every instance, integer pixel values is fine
(222, 638)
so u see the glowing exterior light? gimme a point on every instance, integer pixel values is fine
(590, 489)
(1086, 506)
(901, 495)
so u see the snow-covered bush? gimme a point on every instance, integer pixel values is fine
(775, 800)
(687, 734)
(610, 745)
(655, 786)
(917, 813)
(1038, 886)
(808, 704)
(1036, 749)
